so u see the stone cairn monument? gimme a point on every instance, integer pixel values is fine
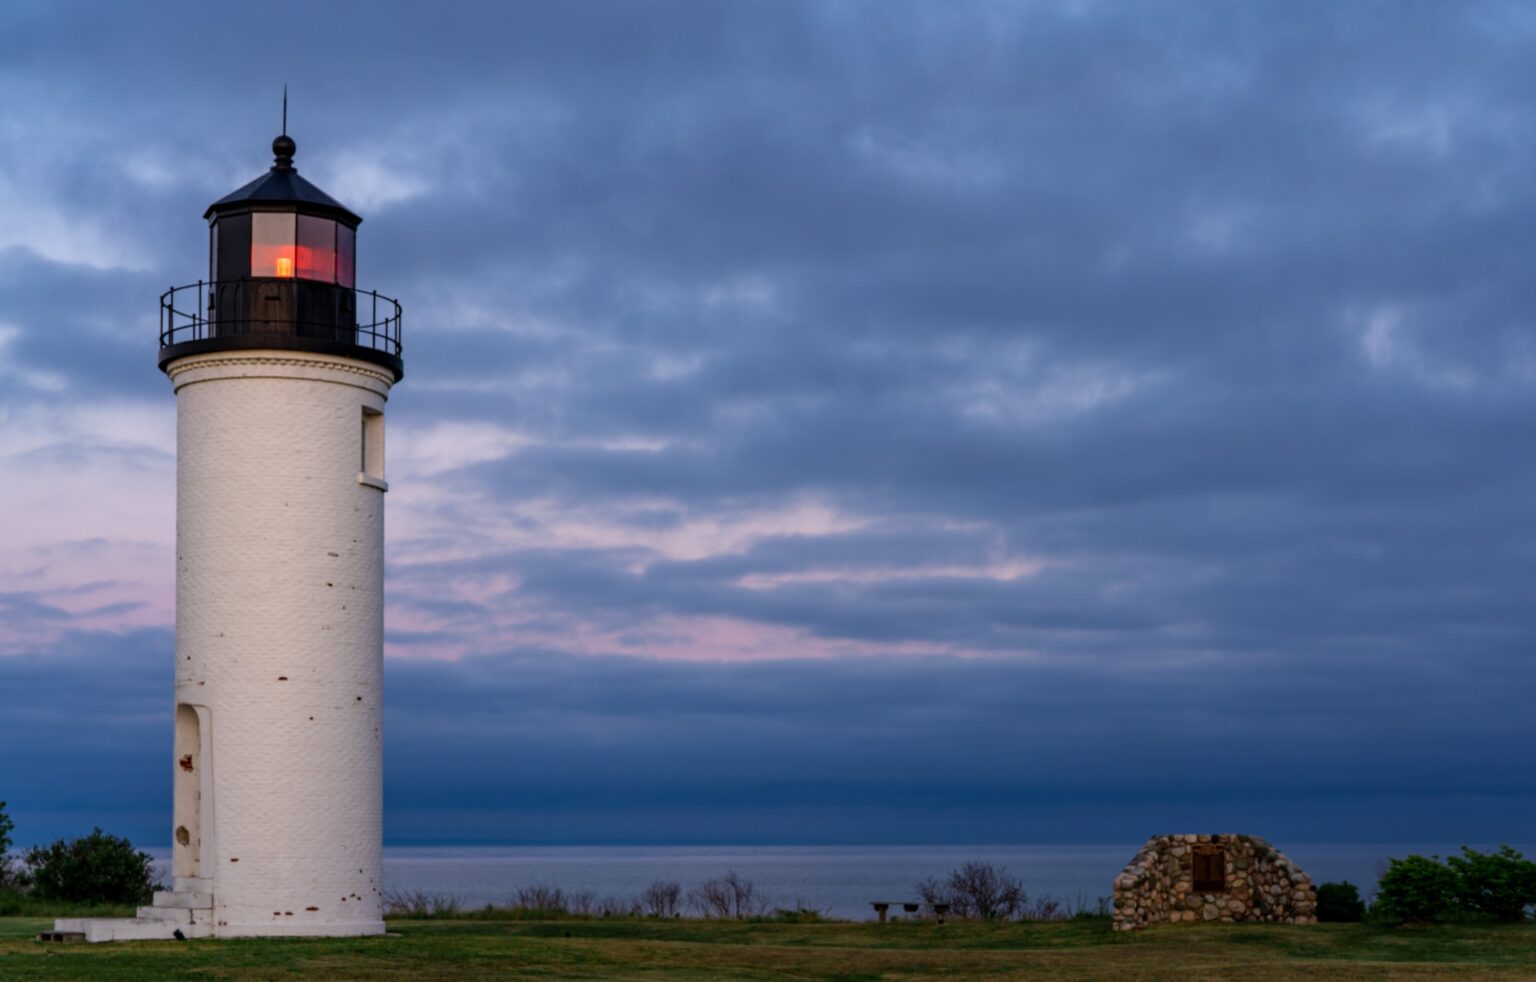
(1212, 878)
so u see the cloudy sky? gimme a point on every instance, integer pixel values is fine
(828, 422)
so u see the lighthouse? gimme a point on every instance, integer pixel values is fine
(281, 370)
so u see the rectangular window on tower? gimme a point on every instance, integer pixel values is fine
(371, 457)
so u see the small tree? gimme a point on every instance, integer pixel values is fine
(743, 895)
(544, 897)
(710, 899)
(420, 903)
(977, 890)
(661, 899)
(1416, 889)
(7, 877)
(728, 896)
(1339, 902)
(95, 869)
(1501, 883)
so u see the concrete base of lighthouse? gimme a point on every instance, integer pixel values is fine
(156, 928)
(157, 924)
(187, 912)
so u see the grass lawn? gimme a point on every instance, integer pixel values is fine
(641, 949)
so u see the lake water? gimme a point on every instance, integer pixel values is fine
(838, 880)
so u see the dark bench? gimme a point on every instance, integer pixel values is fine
(882, 907)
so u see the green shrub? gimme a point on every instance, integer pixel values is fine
(1416, 889)
(796, 915)
(1501, 884)
(95, 869)
(1339, 902)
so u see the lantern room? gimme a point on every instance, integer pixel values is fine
(282, 272)
(281, 226)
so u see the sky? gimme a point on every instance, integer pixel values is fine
(827, 422)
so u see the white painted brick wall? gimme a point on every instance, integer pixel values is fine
(279, 633)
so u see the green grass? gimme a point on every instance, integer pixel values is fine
(635, 948)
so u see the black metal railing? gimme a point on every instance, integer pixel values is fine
(279, 308)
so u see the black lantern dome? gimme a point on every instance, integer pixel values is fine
(282, 257)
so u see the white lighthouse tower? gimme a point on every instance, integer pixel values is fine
(281, 370)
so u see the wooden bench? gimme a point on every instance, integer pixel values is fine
(882, 907)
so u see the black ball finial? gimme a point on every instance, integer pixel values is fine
(282, 150)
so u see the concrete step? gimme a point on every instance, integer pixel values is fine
(191, 884)
(98, 929)
(185, 899)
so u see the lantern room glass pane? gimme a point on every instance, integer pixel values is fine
(317, 249)
(346, 256)
(232, 247)
(272, 244)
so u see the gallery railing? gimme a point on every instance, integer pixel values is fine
(280, 308)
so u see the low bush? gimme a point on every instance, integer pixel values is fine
(1044, 909)
(491, 912)
(977, 890)
(798, 914)
(420, 903)
(1501, 884)
(93, 869)
(729, 896)
(661, 899)
(1339, 902)
(542, 897)
(1417, 889)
